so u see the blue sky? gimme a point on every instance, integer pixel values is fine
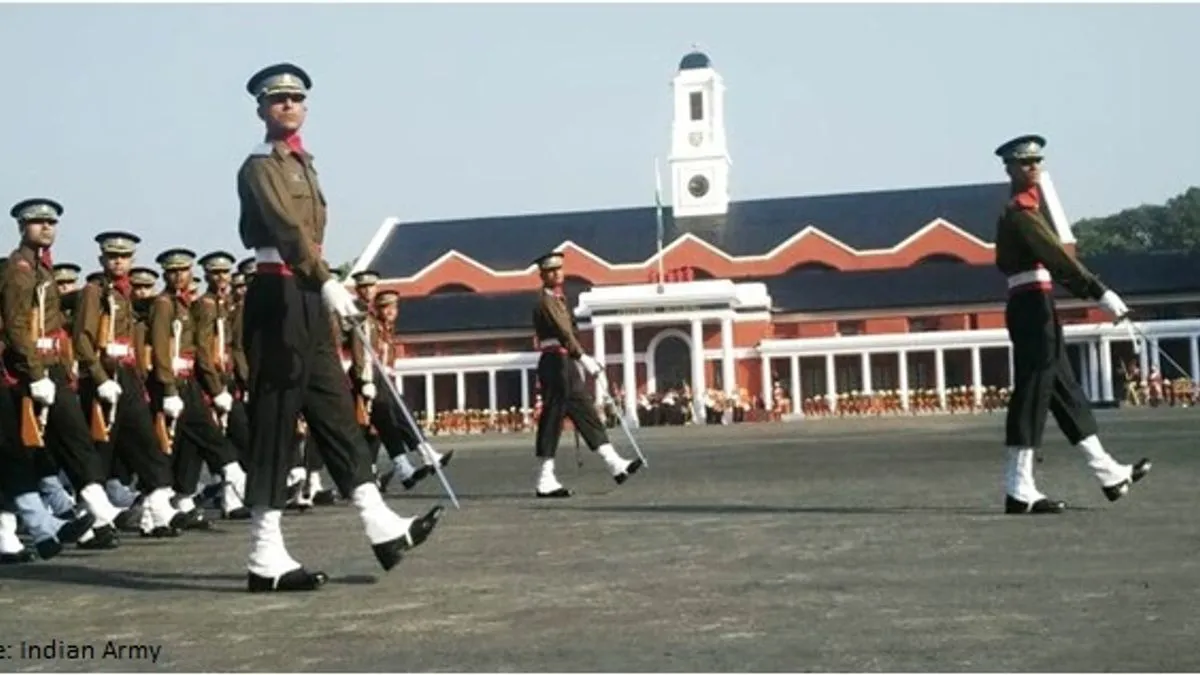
(135, 116)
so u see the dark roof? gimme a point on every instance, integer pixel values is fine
(1130, 274)
(695, 61)
(864, 220)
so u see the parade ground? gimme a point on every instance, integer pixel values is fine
(845, 545)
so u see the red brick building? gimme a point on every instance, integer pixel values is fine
(823, 295)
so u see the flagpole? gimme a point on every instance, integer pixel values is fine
(658, 210)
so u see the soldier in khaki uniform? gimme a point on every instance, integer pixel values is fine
(385, 424)
(192, 432)
(44, 409)
(293, 361)
(1030, 254)
(561, 369)
(112, 391)
(214, 368)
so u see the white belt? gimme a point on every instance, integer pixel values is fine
(1030, 277)
(180, 364)
(117, 351)
(268, 255)
(47, 343)
(549, 342)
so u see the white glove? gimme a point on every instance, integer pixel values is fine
(338, 299)
(42, 391)
(223, 401)
(590, 365)
(368, 391)
(110, 391)
(173, 406)
(1111, 303)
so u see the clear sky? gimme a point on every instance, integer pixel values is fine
(135, 116)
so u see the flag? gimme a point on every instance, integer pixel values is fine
(658, 210)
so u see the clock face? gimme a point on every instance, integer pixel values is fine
(698, 186)
(696, 138)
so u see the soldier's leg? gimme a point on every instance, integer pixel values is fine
(402, 434)
(1031, 328)
(12, 551)
(50, 486)
(133, 436)
(200, 428)
(581, 409)
(395, 434)
(68, 437)
(552, 381)
(1073, 412)
(238, 431)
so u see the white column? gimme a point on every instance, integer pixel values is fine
(1143, 361)
(903, 375)
(398, 379)
(698, 385)
(1155, 355)
(598, 348)
(1084, 368)
(1106, 372)
(430, 398)
(524, 389)
(727, 374)
(1012, 371)
(1194, 355)
(796, 403)
(866, 372)
(977, 375)
(1094, 370)
(767, 393)
(629, 373)
(939, 359)
(460, 381)
(492, 390)
(830, 382)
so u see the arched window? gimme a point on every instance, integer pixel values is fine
(452, 287)
(940, 259)
(811, 266)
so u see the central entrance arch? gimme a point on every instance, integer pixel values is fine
(668, 361)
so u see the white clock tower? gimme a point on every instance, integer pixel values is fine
(699, 157)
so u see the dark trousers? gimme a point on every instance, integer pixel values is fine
(1043, 379)
(238, 431)
(198, 439)
(67, 440)
(131, 436)
(391, 429)
(565, 394)
(294, 370)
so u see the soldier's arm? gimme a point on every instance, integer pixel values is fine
(16, 304)
(1047, 250)
(87, 333)
(162, 313)
(561, 323)
(358, 354)
(204, 318)
(295, 243)
(241, 367)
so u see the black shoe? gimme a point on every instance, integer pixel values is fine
(25, 556)
(446, 458)
(129, 520)
(72, 530)
(322, 498)
(298, 579)
(1043, 505)
(194, 520)
(160, 532)
(389, 553)
(560, 493)
(1115, 492)
(629, 471)
(418, 476)
(48, 548)
(104, 539)
(240, 513)
(383, 479)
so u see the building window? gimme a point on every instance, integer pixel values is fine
(696, 99)
(921, 324)
(850, 328)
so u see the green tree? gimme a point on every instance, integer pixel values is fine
(1174, 226)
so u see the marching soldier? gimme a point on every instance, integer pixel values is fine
(112, 391)
(561, 379)
(364, 287)
(187, 426)
(66, 277)
(211, 314)
(293, 360)
(1029, 253)
(383, 420)
(143, 280)
(37, 352)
